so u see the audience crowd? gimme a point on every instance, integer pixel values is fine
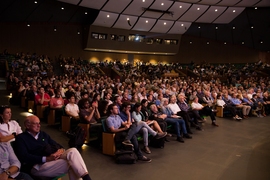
(143, 101)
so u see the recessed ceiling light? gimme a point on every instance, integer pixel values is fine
(243, 42)
(182, 24)
(35, 2)
(165, 23)
(162, 4)
(180, 6)
(216, 27)
(146, 21)
(28, 25)
(128, 19)
(85, 13)
(199, 27)
(216, 10)
(225, 43)
(198, 9)
(261, 42)
(207, 42)
(233, 27)
(108, 16)
(78, 32)
(255, 8)
(190, 42)
(62, 8)
(143, 0)
(251, 27)
(233, 11)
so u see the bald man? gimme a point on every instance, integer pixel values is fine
(45, 157)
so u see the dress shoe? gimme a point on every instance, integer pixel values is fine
(214, 124)
(187, 136)
(160, 135)
(146, 150)
(180, 139)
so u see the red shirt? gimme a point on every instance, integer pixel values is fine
(46, 97)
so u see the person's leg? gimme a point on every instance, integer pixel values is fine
(157, 127)
(187, 119)
(23, 176)
(144, 131)
(175, 124)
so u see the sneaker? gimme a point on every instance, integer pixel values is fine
(127, 143)
(180, 139)
(238, 118)
(161, 135)
(146, 150)
(187, 136)
(214, 124)
(144, 159)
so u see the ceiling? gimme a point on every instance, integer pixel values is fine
(243, 22)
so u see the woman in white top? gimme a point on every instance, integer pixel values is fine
(8, 128)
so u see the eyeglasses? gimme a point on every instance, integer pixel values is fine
(35, 123)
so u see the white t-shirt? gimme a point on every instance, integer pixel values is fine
(196, 105)
(13, 127)
(174, 107)
(73, 109)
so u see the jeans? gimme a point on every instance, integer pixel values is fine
(177, 123)
(136, 127)
(23, 176)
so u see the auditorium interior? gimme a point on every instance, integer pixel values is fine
(154, 32)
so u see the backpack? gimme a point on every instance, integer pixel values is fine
(76, 137)
(125, 157)
(157, 143)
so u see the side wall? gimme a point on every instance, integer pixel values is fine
(41, 39)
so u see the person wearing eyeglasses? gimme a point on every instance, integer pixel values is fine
(9, 129)
(42, 156)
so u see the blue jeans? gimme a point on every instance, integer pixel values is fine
(23, 176)
(177, 123)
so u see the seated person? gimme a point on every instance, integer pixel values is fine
(232, 109)
(177, 111)
(57, 103)
(72, 110)
(42, 156)
(8, 128)
(88, 114)
(177, 121)
(138, 116)
(187, 112)
(10, 165)
(42, 98)
(240, 105)
(203, 110)
(126, 131)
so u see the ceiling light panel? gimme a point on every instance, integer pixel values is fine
(123, 23)
(211, 14)
(177, 9)
(144, 24)
(70, 1)
(193, 13)
(247, 3)
(179, 27)
(157, 6)
(209, 2)
(105, 19)
(229, 15)
(160, 26)
(116, 5)
(228, 2)
(190, 1)
(95, 4)
(136, 7)
(263, 3)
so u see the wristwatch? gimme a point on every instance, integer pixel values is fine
(7, 172)
(14, 134)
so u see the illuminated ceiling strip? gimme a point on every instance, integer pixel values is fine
(128, 52)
